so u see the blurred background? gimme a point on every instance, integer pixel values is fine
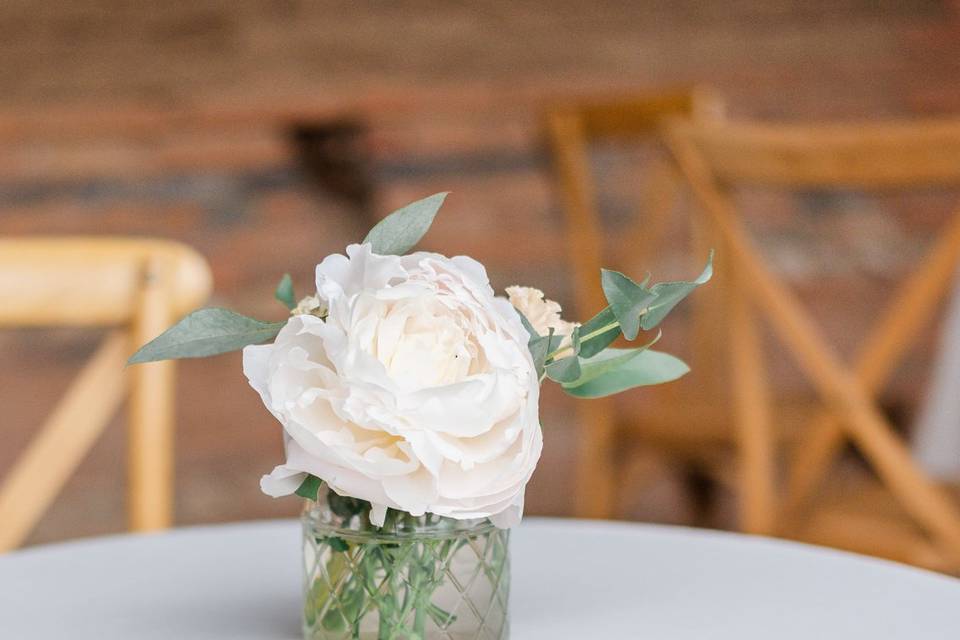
(268, 134)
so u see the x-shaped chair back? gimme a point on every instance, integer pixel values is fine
(134, 288)
(714, 158)
(571, 128)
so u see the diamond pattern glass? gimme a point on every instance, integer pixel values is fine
(424, 578)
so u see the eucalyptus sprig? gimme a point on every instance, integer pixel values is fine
(584, 364)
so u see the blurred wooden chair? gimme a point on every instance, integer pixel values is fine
(715, 158)
(135, 288)
(604, 425)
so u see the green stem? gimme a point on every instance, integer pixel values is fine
(600, 331)
(423, 586)
(420, 621)
(387, 602)
(593, 334)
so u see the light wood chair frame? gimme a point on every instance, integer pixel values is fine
(570, 128)
(135, 288)
(715, 157)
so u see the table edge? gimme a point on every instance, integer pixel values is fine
(712, 536)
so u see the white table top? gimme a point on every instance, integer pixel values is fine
(571, 579)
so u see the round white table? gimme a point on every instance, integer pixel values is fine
(571, 579)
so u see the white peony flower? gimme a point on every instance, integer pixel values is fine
(417, 392)
(543, 314)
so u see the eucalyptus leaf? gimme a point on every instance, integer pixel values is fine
(564, 370)
(541, 347)
(669, 294)
(309, 487)
(649, 367)
(284, 292)
(597, 333)
(627, 300)
(401, 230)
(206, 332)
(605, 361)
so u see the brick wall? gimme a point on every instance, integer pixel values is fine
(173, 119)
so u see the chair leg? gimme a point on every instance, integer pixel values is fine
(811, 458)
(709, 318)
(596, 491)
(150, 490)
(596, 477)
(751, 405)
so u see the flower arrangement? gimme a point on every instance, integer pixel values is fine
(409, 398)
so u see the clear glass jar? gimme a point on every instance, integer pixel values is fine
(415, 578)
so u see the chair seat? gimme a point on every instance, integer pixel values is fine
(857, 513)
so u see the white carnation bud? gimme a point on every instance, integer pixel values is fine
(542, 314)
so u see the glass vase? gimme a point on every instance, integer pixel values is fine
(414, 578)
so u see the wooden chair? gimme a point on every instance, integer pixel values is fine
(135, 288)
(604, 426)
(715, 158)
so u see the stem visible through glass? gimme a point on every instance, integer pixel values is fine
(394, 582)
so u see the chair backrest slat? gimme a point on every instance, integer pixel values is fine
(894, 155)
(639, 116)
(89, 282)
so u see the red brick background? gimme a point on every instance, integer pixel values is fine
(171, 119)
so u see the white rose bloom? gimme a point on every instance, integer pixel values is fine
(417, 392)
(543, 314)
